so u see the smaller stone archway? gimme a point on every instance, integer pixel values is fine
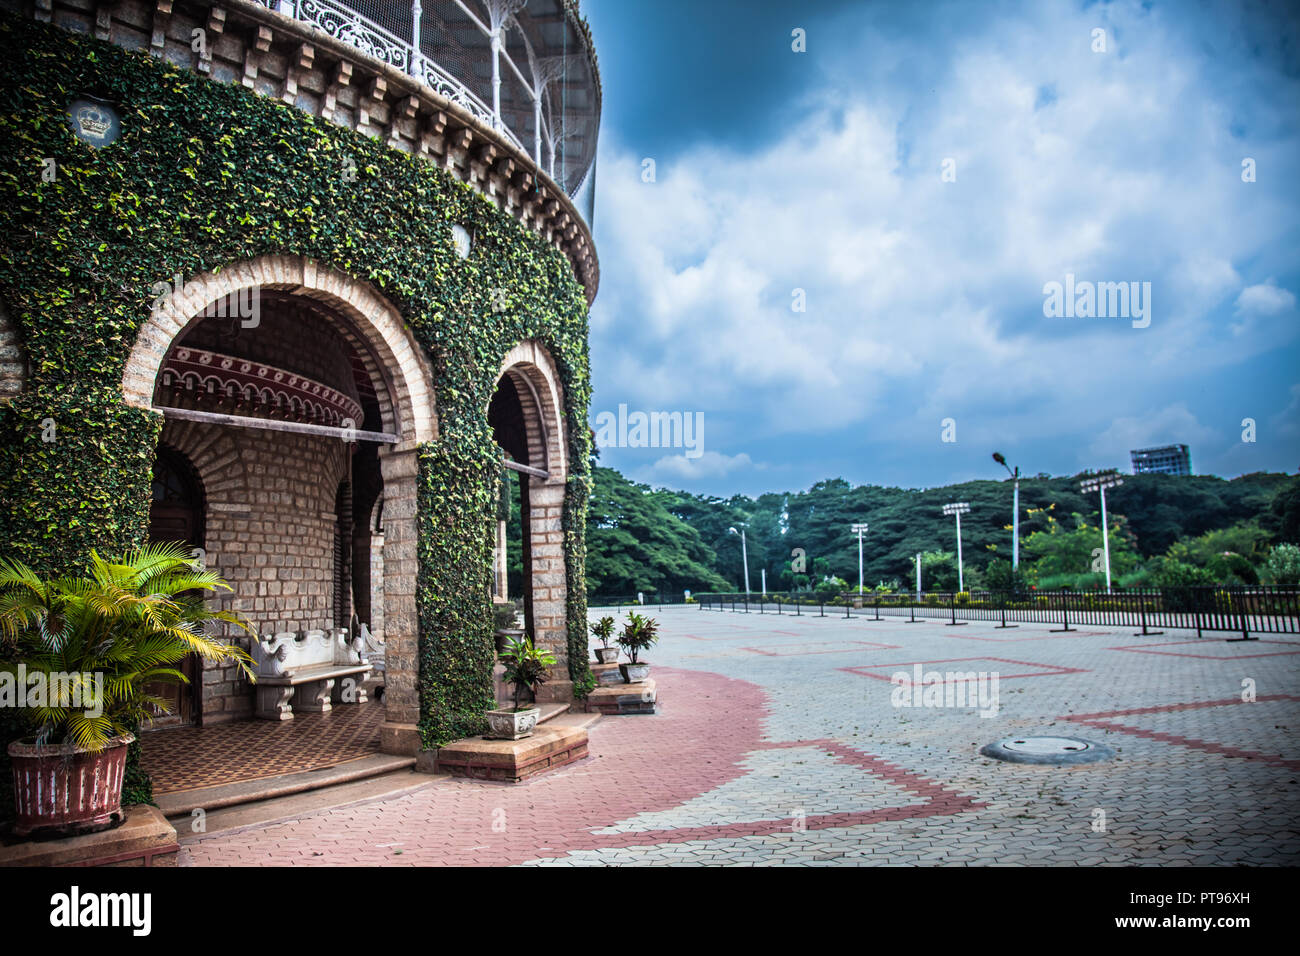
(239, 393)
(527, 415)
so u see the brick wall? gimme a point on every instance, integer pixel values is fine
(269, 532)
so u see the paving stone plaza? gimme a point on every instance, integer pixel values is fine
(778, 742)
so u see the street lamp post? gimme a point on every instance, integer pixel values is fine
(958, 509)
(859, 529)
(1015, 508)
(1100, 482)
(744, 551)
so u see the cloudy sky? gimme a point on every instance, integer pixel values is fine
(921, 172)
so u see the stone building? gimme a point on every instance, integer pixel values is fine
(293, 282)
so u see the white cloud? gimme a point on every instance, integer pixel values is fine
(1265, 299)
(1173, 425)
(923, 297)
(711, 464)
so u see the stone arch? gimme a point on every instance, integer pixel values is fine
(13, 358)
(536, 377)
(403, 392)
(391, 353)
(532, 371)
(216, 459)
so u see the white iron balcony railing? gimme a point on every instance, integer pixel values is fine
(341, 22)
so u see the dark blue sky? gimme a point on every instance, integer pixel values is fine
(824, 171)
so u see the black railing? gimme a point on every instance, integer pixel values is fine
(631, 600)
(1245, 610)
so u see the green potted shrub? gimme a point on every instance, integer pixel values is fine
(94, 644)
(639, 634)
(604, 629)
(526, 666)
(505, 620)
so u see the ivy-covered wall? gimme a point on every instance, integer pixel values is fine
(204, 176)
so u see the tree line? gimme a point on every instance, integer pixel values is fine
(1165, 529)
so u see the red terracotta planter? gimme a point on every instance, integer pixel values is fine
(64, 789)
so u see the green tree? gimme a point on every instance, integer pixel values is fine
(634, 543)
(1283, 566)
(1062, 555)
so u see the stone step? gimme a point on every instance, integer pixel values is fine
(618, 699)
(146, 838)
(572, 719)
(512, 761)
(182, 802)
(551, 711)
(294, 806)
(606, 674)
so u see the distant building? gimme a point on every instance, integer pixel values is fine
(1165, 460)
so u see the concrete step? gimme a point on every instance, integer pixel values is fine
(296, 805)
(551, 711)
(585, 721)
(182, 802)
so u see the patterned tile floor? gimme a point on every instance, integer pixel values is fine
(190, 757)
(798, 754)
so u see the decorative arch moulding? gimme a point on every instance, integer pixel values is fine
(287, 394)
(374, 319)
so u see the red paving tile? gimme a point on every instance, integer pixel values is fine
(1104, 721)
(637, 766)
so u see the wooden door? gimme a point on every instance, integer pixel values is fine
(176, 514)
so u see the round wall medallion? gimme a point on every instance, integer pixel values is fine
(94, 121)
(460, 238)
(1047, 750)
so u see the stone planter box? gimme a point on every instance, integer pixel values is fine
(66, 790)
(512, 724)
(607, 655)
(634, 673)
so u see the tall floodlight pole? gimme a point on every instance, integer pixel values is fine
(958, 509)
(744, 551)
(1015, 507)
(918, 576)
(859, 529)
(1100, 482)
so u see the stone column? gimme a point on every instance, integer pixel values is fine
(548, 583)
(400, 733)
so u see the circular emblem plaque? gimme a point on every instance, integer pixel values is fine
(93, 121)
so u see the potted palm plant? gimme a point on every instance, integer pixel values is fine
(604, 629)
(93, 644)
(526, 666)
(639, 633)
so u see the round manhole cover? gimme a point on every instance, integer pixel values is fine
(1050, 750)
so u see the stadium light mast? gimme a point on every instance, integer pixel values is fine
(744, 551)
(1100, 482)
(957, 509)
(1015, 507)
(860, 529)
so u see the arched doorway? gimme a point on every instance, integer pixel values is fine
(176, 514)
(300, 399)
(526, 416)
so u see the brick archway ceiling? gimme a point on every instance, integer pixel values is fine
(259, 378)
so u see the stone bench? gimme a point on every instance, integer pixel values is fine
(308, 672)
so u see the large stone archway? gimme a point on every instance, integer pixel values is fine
(535, 380)
(368, 326)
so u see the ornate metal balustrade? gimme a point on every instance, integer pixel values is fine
(341, 22)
